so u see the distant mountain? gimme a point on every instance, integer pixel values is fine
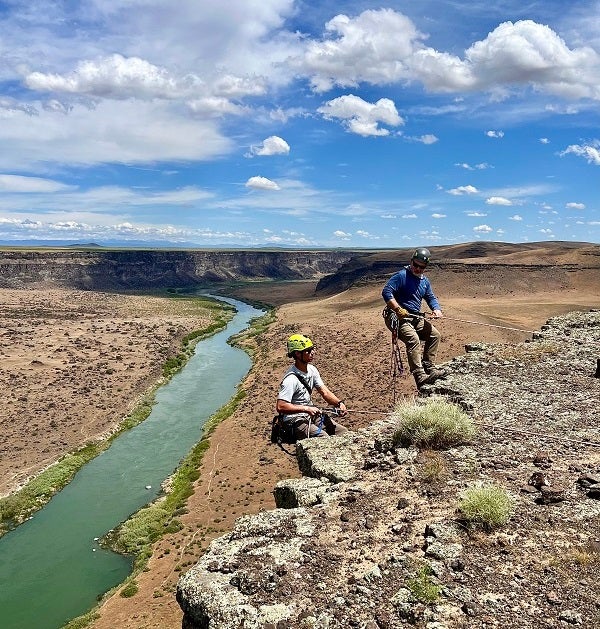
(167, 246)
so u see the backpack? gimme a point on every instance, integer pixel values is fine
(282, 431)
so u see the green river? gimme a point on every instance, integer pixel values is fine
(52, 568)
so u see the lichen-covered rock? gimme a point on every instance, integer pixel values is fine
(336, 458)
(216, 593)
(301, 492)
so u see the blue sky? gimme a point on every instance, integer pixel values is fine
(299, 123)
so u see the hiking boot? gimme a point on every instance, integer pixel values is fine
(422, 378)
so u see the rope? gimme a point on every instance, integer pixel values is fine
(503, 327)
(392, 322)
(489, 325)
(397, 368)
(336, 411)
(543, 435)
(594, 444)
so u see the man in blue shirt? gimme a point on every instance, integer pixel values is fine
(403, 295)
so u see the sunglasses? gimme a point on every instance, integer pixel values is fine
(418, 266)
(310, 350)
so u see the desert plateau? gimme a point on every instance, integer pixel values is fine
(75, 362)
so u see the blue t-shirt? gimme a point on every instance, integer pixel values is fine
(409, 291)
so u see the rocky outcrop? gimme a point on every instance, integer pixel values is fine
(370, 537)
(136, 269)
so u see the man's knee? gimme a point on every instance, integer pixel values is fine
(333, 428)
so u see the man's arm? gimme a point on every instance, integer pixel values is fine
(433, 302)
(397, 308)
(287, 407)
(389, 290)
(332, 399)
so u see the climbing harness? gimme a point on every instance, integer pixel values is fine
(282, 432)
(321, 417)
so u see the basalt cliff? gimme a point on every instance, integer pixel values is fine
(152, 269)
(370, 536)
(333, 270)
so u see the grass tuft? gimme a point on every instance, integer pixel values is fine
(131, 589)
(435, 424)
(433, 469)
(489, 506)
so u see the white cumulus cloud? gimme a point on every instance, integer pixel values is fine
(362, 117)
(498, 201)
(261, 183)
(338, 233)
(575, 206)
(384, 47)
(273, 145)
(118, 77)
(483, 229)
(481, 166)
(427, 138)
(376, 46)
(463, 190)
(495, 134)
(590, 152)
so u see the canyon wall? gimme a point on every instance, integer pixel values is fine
(138, 269)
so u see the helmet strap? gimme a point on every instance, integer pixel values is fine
(298, 361)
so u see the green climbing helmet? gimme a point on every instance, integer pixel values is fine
(422, 254)
(298, 343)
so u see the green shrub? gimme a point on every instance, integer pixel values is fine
(422, 586)
(435, 424)
(131, 589)
(487, 505)
(81, 622)
(141, 529)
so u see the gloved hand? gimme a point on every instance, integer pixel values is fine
(402, 312)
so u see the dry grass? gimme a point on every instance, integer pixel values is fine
(488, 506)
(434, 424)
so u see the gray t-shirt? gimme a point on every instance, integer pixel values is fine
(293, 391)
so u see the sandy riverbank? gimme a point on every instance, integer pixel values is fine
(74, 363)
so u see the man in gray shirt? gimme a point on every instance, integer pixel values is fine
(294, 397)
